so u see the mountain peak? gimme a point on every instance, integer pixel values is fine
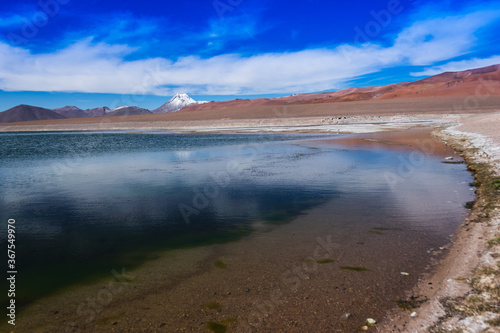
(119, 107)
(182, 98)
(181, 95)
(177, 102)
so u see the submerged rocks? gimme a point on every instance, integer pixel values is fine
(370, 322)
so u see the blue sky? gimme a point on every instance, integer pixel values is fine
(94, 53)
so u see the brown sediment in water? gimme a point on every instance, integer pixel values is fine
(417, 138)
(464, 292)
(286, 278)
(266, 285)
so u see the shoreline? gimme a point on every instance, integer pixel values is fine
(463, 291)
(351, 124)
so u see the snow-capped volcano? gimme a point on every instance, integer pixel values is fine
(176, 103)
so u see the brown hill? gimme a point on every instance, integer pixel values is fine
(97, 112)
(484, 80)
(128, 111)
(71, 112)
(27, 113)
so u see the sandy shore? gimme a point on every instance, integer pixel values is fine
(464, 292)
(351, 124)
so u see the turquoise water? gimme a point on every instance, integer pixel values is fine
(87, 202)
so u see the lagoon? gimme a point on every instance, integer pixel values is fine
(86, 203)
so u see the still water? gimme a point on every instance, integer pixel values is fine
(85, 202)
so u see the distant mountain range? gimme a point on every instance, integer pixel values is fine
(74, 112)
(28, 113)
(478, 83)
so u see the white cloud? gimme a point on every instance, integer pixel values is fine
(119, 28)
(98, 67)
(438, 39)
(456, 66)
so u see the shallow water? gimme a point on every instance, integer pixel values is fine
(87, 202)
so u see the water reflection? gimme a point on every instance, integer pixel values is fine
(117, 198)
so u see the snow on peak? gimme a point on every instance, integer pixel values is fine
(181, 95)
(119, 107)
(176, 103)
(182, 99)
